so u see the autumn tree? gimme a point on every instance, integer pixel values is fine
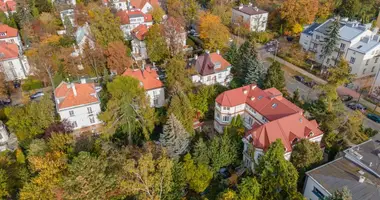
(306, 154)
(105, 27)
(175, 8)
(191, 8)
(172, 32)
(92, 57)
(49, 23)
(181, 107)
(3, 184)
(325, 10)
(156, 44)
(352, 129)
(275, 77)
(348, 8)
(128, 109)
(343, 194)
(224, 12)
(214, 34)
(118, 58)
(3, 86)
(198, 176)
(298, 12)
(174, 137)
(278, 177)
(249, 189)
(175, 67)
(157, 13)
(43, 5)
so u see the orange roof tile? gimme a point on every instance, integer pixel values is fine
(6, 5)
(125, 16)
(8, 51)
(86, 94)
(141, 3)
(140, 31)
(7, 31)
(148, 77)
(209, 63)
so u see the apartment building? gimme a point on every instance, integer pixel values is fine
(267, 116)
(357, 44)
(138, 44)
(144, 5)
(250, 16)
(130, 19)
(13, 64)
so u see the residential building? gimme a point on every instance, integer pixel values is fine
(148, 78)
(143, 5)
(130, 19)
(8, 6)
(358, 170)
(7, 141)
(357, 44)
(210, 68)
(250, 16)
(267, 116)
(138, 45)
(63, 2)
(82, 36)
(10, 35)
(175, 35)
(78, 103)
(68, 14)
(13, 64)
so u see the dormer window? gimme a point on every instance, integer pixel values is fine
(311, 134)
(274, 105)
(226, 108)
(3, 34)
(245, 91)
(217, 65)
(295, 140)
(260, 97)
(252, 98)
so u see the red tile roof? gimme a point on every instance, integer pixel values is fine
(6, 5)
(141, 3)
(289, 129)
(140, 31)
(148, 77)
(8, 51)
(207, 62)
(86, 94)
(7, 31)
(125, 16)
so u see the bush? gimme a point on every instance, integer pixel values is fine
(32, 84)
(261, 37)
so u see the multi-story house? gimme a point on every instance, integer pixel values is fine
(130, 19)
(267, 116)
(144, 5)
(69, 15)
(78, 103)
(175, 35)
(152, 85)
(250, 16)
(10, 35)
(8, 6)
(13, 64)
(82, 37)
(357, 170)
(357, 44)
(64, 2)
(138, 45)
(210, 68)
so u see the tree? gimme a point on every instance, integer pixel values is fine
(93, 58)
(32, 119)
(331, 39)
(214, 34)
(223, 151)
(172, 32)
(232, 55)
(88, 177)
(156, 44)
(148, 176)
(118, 58)
(296, 98)
(105, 27)
(43, 5)
(249, 189)
(255, 72)
(325, 9)
(174, 137)
(175, 67)
(278, 177)
(3, 184)
(296, 29)
(128, 109)
(68, 26)
(275, 77)
(298, 12)
(224, 11)
(198, 176)
(306, 154)
(175, 9)
(191, 8)
(352, 130)
(49, 23)
(3, 86)
(343, 194)
(181, 107)
(157, 13)
(348, 8)
(201, 153)
(228, 195)
(203, 98)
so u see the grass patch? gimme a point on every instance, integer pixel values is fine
(32, 84)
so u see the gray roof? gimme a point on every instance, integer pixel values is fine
(347, 31)
(344, 173)
(310, 29)
(250, 10)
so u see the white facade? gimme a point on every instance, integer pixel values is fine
(68, 2)
(81, 116)
(223, 78)
(313, 190)
(4, 137)
(357, 44)
(15, 69)
(156, 97)
(252, 16)
(15, 40)
(139, 49)
(134, 22)
(126, 5)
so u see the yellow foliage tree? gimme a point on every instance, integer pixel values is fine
(214, 34)
(297, 28)
(298, 12)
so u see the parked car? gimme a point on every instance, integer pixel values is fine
(356, 106)
(373, 117)
(310, 84)
(346, 98)
(16, 84)
(5, 102)
(299, 78)
(36, 95)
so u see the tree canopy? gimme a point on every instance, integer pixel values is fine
(214, 34)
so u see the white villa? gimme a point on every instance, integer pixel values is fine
(250, 15)
(130, 19)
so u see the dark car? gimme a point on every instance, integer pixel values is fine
(300, 79)
(36, 95)
(374, 117)
(16, 84)
(310, 84)
(356, 106)
(5, 102)
(346, 98)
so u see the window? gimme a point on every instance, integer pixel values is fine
(217, 116)
(318, 37)
(208, 78)
(260, 97)
(92, 119)
(75, 124)
(155, 101)
(12, 40)
(318, 193)
(226, 108)
(364, 71)
(71, 112)
(220, 75)
(226, 118)
(328, 61)
(366, 62)
(89, 110)
(352, 60)
(376, 59)
(250, 120)
(373, 69)
(274, 105)
(10, 63)
(342, 46)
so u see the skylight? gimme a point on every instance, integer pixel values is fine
(274, 105)
(260, 97)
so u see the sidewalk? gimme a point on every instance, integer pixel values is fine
(341, 90)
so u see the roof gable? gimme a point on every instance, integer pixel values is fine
(85, 94)
(147, 77)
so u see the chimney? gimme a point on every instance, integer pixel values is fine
(250, 4)
(207, 51)
(245, 91)
(82, 80)
(74, 89)
(196, 56)
(253, 87)
(240, 6)
(218, 52)
(255, 8)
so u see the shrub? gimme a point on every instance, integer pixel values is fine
(32, 84)
(262, 37)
